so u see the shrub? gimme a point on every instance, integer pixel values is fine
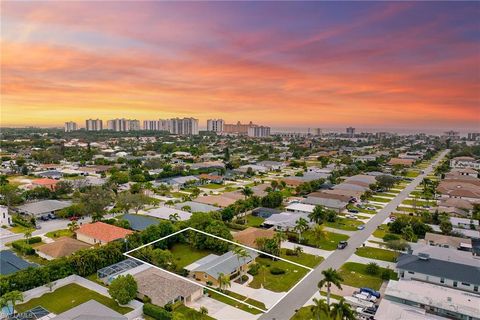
(277, 271)
(34, 240)
(290, 252)
(23, 247)
(123, 289)
(244, 278)
(372, 268)
(156, 312)
(391, 236)
(236, 226)
(386, 274)
(254, 269)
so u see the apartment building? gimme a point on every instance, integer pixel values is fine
(123, 125)
(350, 132)
(258, 132)
(237, 128)
(215, 125)
(93, 124)
(185, 126)
(71, 126)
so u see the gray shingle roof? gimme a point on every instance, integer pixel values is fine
(10, 263)
(139, 222)
(440, 268)
(90, 310)
(226, 264)
(43, 207)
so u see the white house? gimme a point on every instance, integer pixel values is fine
(5, 217)
(465, 162)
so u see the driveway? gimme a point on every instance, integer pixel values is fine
(307, 288)
(220, 310)
(269, 298)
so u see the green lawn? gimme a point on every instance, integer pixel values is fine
(376, 253)
(377, 199)
(254, 221)
(384, 194)
(190, 314)
(281, 282)
(59, 233)
(355, 275)
(184, 254)
(381, 231)
(419, 202)
(70, 296)
(305, 313)
(330, 243)
(212, 186)
(412, 174)
(406, 209)
(234, 303)
(305, 259)
(20, 229)
(344, 224)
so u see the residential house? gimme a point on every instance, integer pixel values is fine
(61, 247)
(194, 206)
(415, 300)
(464, 223)
(285, 221)
(300, 208)
(11, 263)
(272, 165)
(42, 207)
(139, 222)
(209, 268)
(442, 266)
(465, 162)
(163, 288)
(249, 236)
(168, 213)
(441, 240)
(101, 233)
(401, 162)
(45, 182)
(5, 217)
(211, 178)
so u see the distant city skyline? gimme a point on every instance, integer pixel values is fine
(284, 64)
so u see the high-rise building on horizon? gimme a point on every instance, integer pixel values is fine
(350, 132)
(238, 128)
(258, 131)
(123, 124)
(93, 125)
(473, 136)
(71, 126)
(185, 126)
(215, 125)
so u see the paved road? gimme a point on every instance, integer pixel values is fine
(307, 288)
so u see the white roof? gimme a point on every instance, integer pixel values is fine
(163, 212)
(303, 207)
(436, 296)
(389, 310)
(456, 221)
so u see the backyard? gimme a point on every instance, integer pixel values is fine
(184, 254)
(59, 233)
(70, 296)
(277, 282)
(254, 221)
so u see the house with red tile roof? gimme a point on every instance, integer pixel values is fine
(45, 182)
(101, 233)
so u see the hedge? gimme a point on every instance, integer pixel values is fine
(23, 247)
(236, 226)
(34, 240)
(156, 312)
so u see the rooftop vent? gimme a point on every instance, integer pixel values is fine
(423, 256)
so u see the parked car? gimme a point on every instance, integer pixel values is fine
(342, 245)
(352, 210)
(371, 208)
(365, 296)
(374, 293)
(361, 227)
(74, 218)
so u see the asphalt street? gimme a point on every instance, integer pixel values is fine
(307, 288)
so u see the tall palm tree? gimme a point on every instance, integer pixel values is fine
(223, 281)
(320, 309)
(300, 226)
(28, 235)
(242, 254)
(319, 234)
(331, 276)
(342, 311)
(247, 192)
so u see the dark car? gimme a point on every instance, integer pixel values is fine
(371, 291)
(342, 244)
(352, 210)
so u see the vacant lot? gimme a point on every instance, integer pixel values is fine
(376, 253)
(355, 275)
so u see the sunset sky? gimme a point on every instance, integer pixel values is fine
(284, 64)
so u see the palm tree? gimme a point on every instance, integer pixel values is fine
(223, 281)
(28, 235)
(174, 217)
(318, 215)
(247, 192)
(13, 297)
(342, 311)
(319, 234)
(203, 310)
(274, 185)
(73, 226)
(331, 276)
(298, 250)
(242, 254)
(263, 269)
(320, 309)
(300, 226)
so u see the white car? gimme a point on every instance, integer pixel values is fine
(365, 296)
